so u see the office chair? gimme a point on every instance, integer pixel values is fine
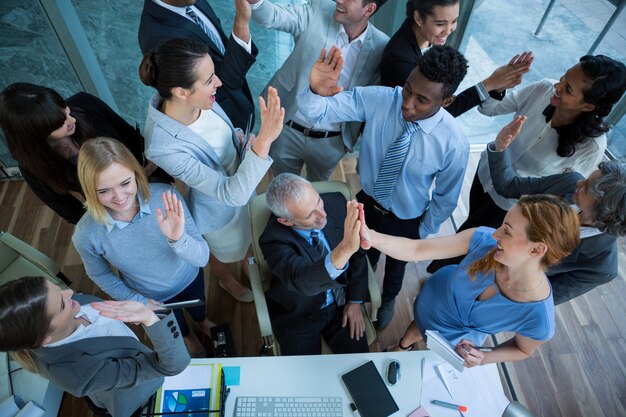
(261, 276)
(515, 409)
(19, 259)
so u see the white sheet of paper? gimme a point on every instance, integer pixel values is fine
(193, 377)
(449, 376)
(475, 389)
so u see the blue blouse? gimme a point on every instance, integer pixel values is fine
(448, 303)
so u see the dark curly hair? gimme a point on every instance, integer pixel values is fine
(445, 65)
(607, 79)
(425, 7)
(610, 190)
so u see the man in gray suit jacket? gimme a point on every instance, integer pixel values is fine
(315, 25)
(601, 199)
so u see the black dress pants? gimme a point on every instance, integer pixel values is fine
(384, 221)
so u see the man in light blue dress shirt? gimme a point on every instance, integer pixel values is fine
(436, 156)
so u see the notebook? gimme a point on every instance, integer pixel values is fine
(369, 392)
(441, 346)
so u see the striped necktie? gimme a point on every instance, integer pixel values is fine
(392, 164)
(213, 36)
(317, 243)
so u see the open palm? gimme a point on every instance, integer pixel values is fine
(172, 219)
(325, 73)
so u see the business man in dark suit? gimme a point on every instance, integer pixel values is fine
(601, 199)
(311, 244)
(162, 20)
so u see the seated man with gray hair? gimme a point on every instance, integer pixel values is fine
(311, 244)
(601, 203)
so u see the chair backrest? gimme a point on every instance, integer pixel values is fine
(515, 409)
(19, 259)
(260, 214)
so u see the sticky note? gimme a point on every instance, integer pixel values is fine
(420, 412)
(231, 375)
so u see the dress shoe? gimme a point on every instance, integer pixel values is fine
(246, 297)
(385, 313)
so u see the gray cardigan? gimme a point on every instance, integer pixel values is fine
(117, 373)
(189, 158)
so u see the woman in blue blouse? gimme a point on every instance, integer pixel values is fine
(500, 286)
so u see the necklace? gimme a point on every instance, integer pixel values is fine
(534, 288)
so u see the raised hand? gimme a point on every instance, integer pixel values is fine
(325, 73)
(352, 227)
(127, 311)
(272, 118)
(509, 132)
(366, 242)
(509, 75)
(172, 223)
(241, 25)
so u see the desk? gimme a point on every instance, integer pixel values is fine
(313, 376)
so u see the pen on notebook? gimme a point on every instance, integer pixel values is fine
(355, 411)
(449, 405)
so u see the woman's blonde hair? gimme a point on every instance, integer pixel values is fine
(95, 156)
(551, 221)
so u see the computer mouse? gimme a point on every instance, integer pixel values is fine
(393, 372)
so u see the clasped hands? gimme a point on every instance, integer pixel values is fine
(356, 234)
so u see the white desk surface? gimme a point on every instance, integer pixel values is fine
(312, 376)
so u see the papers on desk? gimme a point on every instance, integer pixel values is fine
(476, 388)
(198, 388)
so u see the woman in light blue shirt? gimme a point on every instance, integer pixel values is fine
(144, 230)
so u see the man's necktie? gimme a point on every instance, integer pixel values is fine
(338, 293)
(392, 164)
(317, 243)
(218, 42)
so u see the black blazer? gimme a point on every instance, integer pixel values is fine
(300, 277)
(401, 56)
(159, 25)
(592, 263)
(106, 123)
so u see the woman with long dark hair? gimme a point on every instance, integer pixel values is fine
(86, 349)
(44, 133)
(564, 130)
(191, 138)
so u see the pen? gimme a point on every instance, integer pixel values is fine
(448, 405)
(355, 412)
(483, 348)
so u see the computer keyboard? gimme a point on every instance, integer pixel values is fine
(288, 407)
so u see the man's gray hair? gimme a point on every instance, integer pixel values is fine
(284, 188)
(610, 190)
